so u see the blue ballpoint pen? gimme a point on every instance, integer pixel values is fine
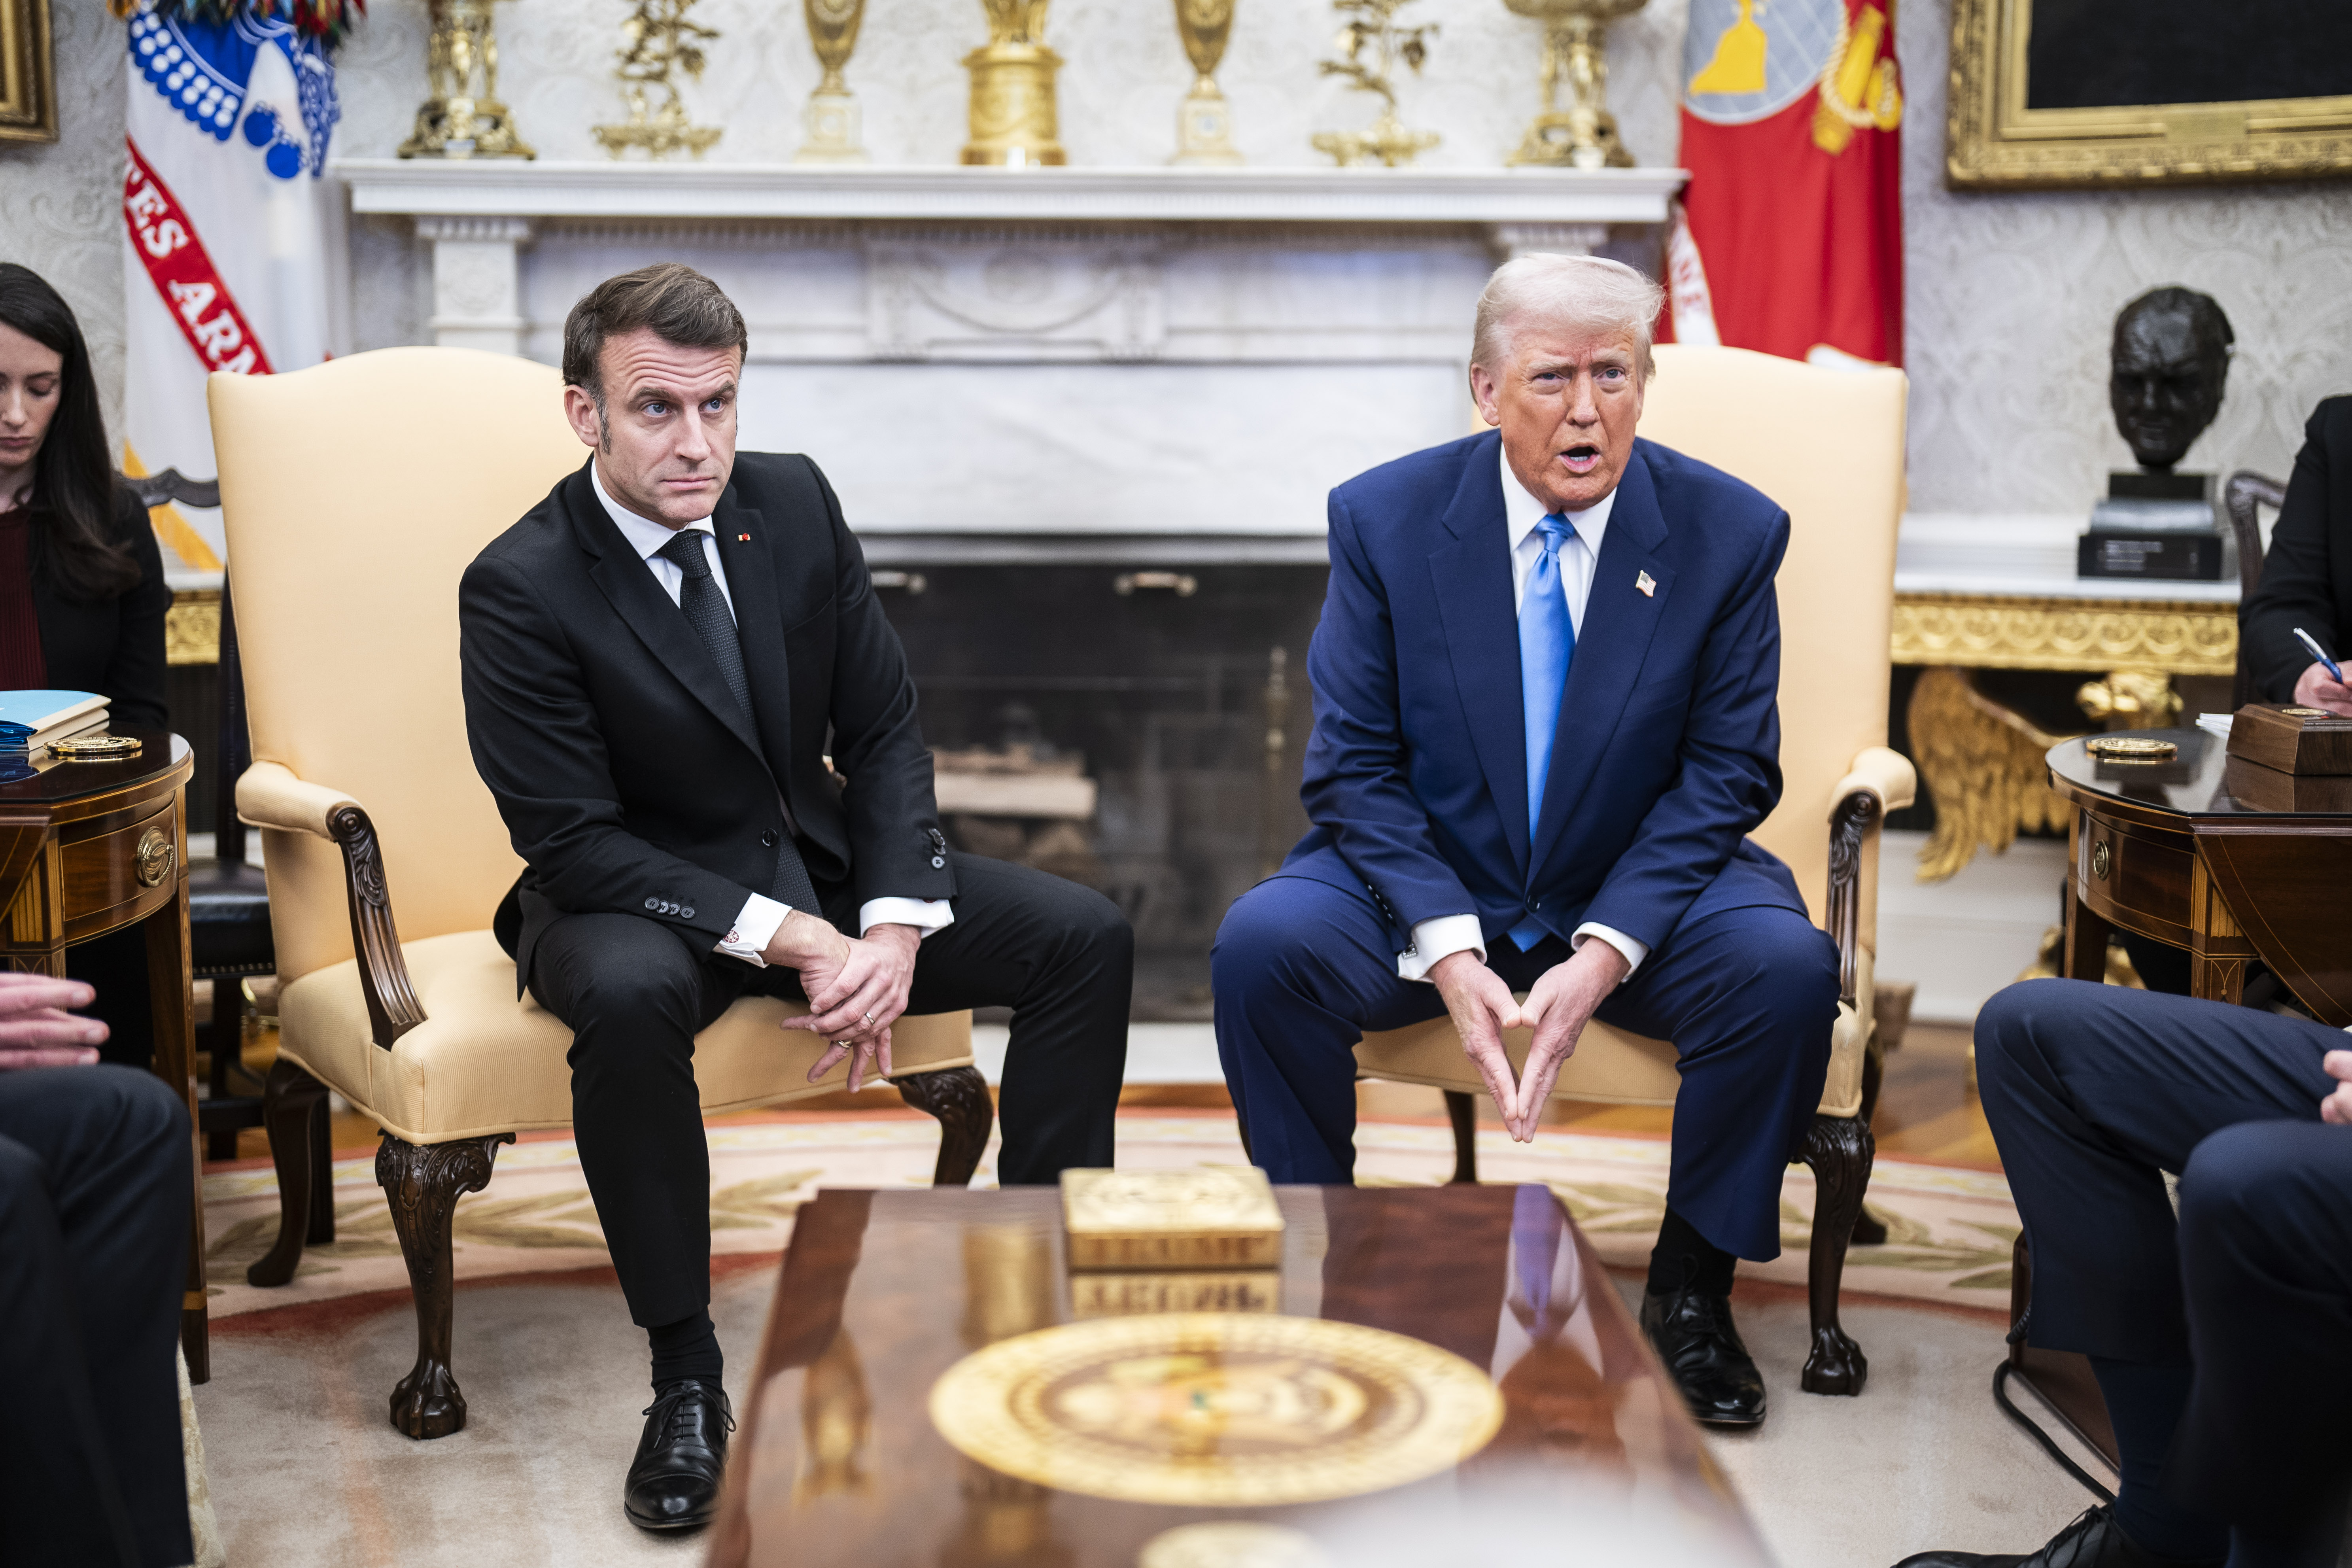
(2319, 653)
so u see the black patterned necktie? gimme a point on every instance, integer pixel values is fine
(707, 612)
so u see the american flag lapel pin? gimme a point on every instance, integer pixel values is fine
(1648, 584)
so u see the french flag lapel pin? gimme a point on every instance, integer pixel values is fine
(1648, 584)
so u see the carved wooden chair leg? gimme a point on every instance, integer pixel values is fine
(1868, 1229)
(1839, 1149)
(322, 1177)
(1463, 1111)
(289, 1102)
(959, 1098)
(423, 1183)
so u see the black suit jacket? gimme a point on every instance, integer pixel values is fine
(629, 778)
(112, 646)
(2307, 571)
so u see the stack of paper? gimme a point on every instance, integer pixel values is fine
(2215, 723)
(29, 720)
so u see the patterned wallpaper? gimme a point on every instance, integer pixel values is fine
(61, 202)
(2010, 298)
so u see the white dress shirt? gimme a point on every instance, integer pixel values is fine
(1579, 554)
(756, 925)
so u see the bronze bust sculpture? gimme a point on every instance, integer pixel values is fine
(2167, 367)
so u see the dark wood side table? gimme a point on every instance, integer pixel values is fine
(89, 847)
(2231, 862)
(838, 1462)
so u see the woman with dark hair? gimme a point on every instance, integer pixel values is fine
(82, 595)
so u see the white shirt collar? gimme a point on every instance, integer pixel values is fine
(1522, 510)
(646, 536)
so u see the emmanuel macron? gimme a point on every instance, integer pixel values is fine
(1545, 722)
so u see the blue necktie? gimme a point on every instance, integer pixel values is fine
(1546, 642)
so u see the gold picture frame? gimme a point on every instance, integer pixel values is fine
(1996, 142)
(29, 81)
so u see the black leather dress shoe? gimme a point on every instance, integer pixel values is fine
(1692, 1332)
(2092, 1541)
(674, 1481)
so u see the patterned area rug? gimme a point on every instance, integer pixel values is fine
(1949, 1231)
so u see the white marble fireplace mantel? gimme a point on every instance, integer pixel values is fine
(1082, 352)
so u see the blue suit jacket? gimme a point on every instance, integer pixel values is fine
(1668, 741)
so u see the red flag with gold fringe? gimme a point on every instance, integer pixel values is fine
(1791, 236)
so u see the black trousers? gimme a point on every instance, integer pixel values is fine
(2092, 1091)
(635, 995)
(95, 1173)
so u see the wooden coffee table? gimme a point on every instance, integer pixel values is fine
(838, 1460)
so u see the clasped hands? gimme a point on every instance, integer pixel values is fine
(1557, 1007)
(856, 988)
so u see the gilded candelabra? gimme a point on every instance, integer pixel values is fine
(1584, 135)
(1012, 120)
(836, 128)
(1371, 45)
(660, 43)
(464, 117)
(1205, 121)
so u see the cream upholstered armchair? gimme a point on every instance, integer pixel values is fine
(355, 494)
(1828, 446)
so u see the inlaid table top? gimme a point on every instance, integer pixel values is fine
(2201, 780)
(1446, 1366)
(54, 781)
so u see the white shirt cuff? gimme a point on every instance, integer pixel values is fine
(926, 915)
(1438, 939)
(754, 928)
(1635, 950)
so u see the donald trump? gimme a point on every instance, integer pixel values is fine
(1544, 724)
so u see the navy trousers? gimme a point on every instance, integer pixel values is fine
(2092, 1091)
(1303, 969)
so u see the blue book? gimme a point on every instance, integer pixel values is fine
(33, 718)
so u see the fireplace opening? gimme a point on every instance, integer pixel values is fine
(1136, 729)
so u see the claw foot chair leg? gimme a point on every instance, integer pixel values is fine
(959, 1098)
(291, 1102)
(423, 1183)
(1839, 1150)
(1463, 1111)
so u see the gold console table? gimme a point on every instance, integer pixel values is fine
(1978, 593)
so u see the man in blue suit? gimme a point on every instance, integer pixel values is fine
(1545, 722)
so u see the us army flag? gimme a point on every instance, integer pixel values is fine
(224, 219)
(1791, 238)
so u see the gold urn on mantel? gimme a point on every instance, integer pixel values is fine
(836, 126)
(1205, 121)
(1584, 134)
(1013, 123)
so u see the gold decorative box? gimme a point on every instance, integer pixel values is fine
(1208, 1217)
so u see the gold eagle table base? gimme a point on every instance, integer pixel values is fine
(1981, 764)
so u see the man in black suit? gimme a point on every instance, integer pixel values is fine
(655, 657)
(2308, 572)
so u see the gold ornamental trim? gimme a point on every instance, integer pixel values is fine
(1984, 631)
(192, 628)
(1216, 1410)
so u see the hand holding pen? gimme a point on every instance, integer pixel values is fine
(2321, 684)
